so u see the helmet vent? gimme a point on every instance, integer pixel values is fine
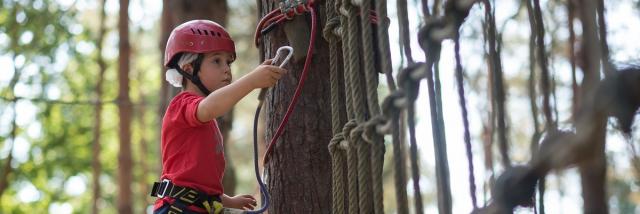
(205, 32)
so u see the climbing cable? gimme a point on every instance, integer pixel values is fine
(263, 189)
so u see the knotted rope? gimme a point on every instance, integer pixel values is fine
(376, 142)
(338, 155)
(391, 112)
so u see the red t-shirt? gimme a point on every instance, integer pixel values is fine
(192, 151)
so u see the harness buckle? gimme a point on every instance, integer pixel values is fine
(164, 185)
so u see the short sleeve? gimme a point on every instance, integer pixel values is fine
(190, 111)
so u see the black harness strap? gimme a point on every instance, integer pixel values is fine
(195, 78)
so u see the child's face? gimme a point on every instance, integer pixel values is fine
(215, 70)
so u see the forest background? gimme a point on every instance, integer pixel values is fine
(60, 59)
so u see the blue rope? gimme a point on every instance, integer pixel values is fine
(263, 188)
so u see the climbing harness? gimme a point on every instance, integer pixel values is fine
(263, 189)
(195, 79)
(185, 196)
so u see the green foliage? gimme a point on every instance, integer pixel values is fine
(61, 53)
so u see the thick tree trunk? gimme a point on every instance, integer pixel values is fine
(298, 175)
(125, 162)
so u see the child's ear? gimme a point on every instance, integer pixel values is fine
(188, 68)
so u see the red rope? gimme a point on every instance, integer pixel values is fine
(303, 77)
(261, 25)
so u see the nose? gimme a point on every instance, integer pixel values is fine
(227, 70)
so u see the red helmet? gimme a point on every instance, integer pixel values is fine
(198, 36)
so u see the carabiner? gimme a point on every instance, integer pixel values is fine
(279, 53)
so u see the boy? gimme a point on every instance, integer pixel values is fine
(199, 54)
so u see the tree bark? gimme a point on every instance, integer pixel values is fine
(166, 25)
(95, 161)
(143, 181)
(297, 176)
(593, 171)
(125, 162)
(545, 85)
(575, 100)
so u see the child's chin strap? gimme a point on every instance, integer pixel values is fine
(195, 79)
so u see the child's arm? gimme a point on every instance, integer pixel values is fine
(222, 100)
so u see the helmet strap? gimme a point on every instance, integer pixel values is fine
(195, 78)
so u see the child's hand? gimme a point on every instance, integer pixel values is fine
(245, 202)
(265, 75)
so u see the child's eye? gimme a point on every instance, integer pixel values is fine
(217, 61)
(229, 62)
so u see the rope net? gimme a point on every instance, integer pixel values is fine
(357, 34)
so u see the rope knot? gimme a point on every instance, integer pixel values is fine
(433, 32)
(515, 186)
(436, 30)
(409, 79)
(391, 107)
(392, 104)
(336, 143)
(348, 127)
(371, 133)
(332, 29)
(412, 73)
(357, 132)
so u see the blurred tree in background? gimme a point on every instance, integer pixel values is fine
(45, 109)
